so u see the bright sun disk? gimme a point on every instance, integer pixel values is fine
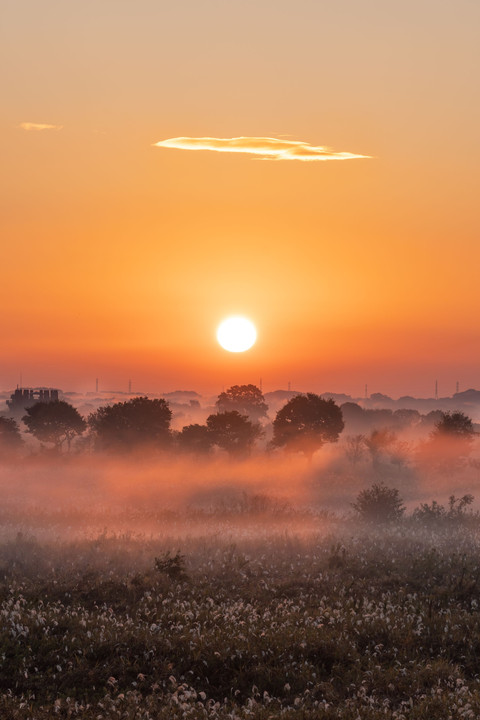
(236, 334)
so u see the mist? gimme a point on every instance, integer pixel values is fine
(146, 491)
(166, 580)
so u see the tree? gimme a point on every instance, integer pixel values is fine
(354, 448)
(354, 417)
(455, 425)
(136, 422)
(405, 417)
(379, 504)
(245, 399)
(10, 437)
(195, 439)
(306, 423)
(56, 422)
(233, 432)
(449, 444)
(378, 443)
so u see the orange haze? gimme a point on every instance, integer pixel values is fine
(119, 258)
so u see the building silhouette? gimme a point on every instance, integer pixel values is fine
(23, 398)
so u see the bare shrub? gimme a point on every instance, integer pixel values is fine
(434, 512)
(173, 566)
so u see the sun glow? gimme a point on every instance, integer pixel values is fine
(236, 334)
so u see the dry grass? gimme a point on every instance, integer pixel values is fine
(271, 614)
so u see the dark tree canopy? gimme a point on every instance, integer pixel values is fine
(136, 422)
(245, 399)
(449, 444)
(233, 432)
(306, 423)
(454, 425)
(195, 439)
(10, 437)
(56, 422)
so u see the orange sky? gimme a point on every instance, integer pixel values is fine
(120, 258)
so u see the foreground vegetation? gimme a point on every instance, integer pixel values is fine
(342, 621)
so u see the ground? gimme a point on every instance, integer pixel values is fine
(264, 612)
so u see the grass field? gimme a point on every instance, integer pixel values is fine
(250, 615)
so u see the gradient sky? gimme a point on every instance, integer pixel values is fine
(120, 257)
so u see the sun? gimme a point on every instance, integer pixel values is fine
(236, 334)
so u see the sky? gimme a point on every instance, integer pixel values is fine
(311, 165)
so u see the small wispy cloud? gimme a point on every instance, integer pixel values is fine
(39, 126)
(265, 147)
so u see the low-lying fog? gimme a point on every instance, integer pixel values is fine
(87, 493)
(82, 490)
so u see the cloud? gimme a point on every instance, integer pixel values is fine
(39, 126)
(265, 147)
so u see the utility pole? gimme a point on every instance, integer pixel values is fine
(96, 384)
(436, 389)
(129, 387)
(366, 391)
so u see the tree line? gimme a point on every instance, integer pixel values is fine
(304, 424)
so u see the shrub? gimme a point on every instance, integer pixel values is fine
(171, 566)
(379, 504)
(435, 512)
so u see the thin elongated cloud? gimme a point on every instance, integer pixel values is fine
(265, 147)
(39, 126)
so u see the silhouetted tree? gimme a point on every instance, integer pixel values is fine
(404, 418)
(354, 417)
(378, 443)
(379, 418)
(379, 504)
(195, 439)
(136, 422)
(306, 423)
(10, 437)
(245, 399)
(233, 432)
(431, 419)
(355, 448)
(449, 444)
(56, 422)
(455, 425)
(380, 397)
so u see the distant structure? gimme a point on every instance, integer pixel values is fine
(23, 398)
(436, 389)
(96, 384)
